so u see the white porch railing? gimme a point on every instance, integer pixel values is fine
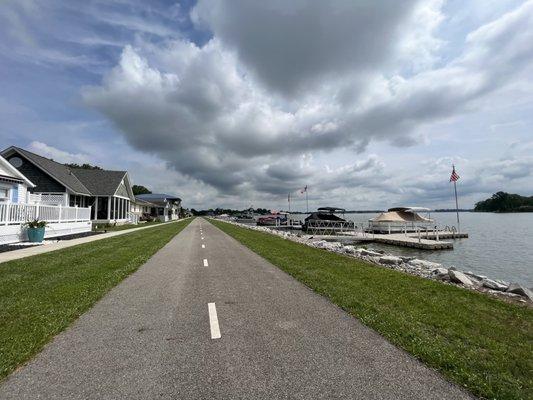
(133, 218)
(11, 214)
(51, 199)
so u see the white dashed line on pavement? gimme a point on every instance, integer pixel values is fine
(213, 321)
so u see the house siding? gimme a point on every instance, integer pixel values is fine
(44, 183)
(122, 190)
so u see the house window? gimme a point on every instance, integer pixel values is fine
(4, 193)
(16, 162)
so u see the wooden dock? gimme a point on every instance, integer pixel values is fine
(424, 241)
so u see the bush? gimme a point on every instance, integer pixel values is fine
(36, 223)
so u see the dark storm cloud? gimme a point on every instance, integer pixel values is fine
(293, 46)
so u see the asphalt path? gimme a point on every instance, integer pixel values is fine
(206, 318)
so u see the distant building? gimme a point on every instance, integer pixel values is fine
(163, 207)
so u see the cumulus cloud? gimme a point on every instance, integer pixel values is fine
(56, 154)
(280, 80)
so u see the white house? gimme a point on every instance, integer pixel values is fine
(162, 206)
(16, 209)
(13, 185)
(108, 193)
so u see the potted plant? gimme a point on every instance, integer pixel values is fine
(35, 230)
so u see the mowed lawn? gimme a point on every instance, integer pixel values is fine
(42, 295)
(476, 341)
(113, 228)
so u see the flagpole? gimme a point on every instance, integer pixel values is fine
(456, 203)
(289, 203)
(306, 201)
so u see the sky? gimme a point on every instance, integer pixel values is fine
(237, 103)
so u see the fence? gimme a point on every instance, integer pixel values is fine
(330, 227)
(50, 199)
(12, 214)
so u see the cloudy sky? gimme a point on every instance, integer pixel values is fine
(234, 103)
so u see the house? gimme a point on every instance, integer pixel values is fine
(13, 185)
(143, 209)
(108, 193)
(16, 209)
(163, 206)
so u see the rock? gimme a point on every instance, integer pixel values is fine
(459, 277)
(371, 253)
(406, 259)
(489, 283)
(522, 291)
(424, 264)
(349, 249)
(504, 283)
(476, 276)
(390, 260)
(320, 244)
(439, 271)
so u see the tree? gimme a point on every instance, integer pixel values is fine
(82, 166)
(139, 189)
(505, 202)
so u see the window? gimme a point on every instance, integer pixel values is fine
(4, 193)
(16, 162)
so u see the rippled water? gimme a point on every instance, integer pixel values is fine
(499, 245)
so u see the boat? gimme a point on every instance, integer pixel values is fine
(324, 220)
(274, 219)
(246, 217)
(401, 219)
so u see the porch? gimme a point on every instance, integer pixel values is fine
(61, 220)
(112, 209)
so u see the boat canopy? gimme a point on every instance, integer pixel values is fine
(400, 216)
(410, 209)
(331, 210)
(324, 216)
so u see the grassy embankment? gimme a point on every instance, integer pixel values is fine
(42, 295)
(474, 340)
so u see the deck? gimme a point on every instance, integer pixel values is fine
(426, 241)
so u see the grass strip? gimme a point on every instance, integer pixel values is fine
(481, 343)
(42, 295)
(112, 228)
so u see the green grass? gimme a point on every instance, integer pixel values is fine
(113, 228)
(476, 341)
(42, 295)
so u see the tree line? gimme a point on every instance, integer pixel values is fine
(505, 202)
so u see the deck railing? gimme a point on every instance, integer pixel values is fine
(12, 214)
(330, 227)
(50, 199)
(133, 218)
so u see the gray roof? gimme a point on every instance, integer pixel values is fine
(143, 202)
(59, 172)
(100, 182)
(157, 197)
(90, 182)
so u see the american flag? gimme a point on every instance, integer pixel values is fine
(304, 190)
(454, 177)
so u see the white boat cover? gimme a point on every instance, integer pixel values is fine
(400, 216)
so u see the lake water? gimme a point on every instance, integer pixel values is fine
(499, 245)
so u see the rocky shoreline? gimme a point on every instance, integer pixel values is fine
(513, 292)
